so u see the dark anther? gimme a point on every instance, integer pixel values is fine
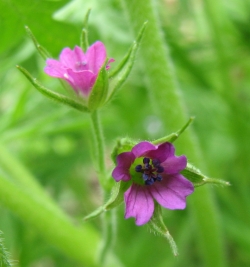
(138, 168)
(149, 182)
(145, 176)
(160, 169)
(159, 178)
(155, 162)
(148, 167)
(150, 171)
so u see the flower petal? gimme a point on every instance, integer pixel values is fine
(121, 171)
(96, 56)
(174, 164)
(171, 192)
(162, 152)
(83, 80)
(110, 61)
(67, 58)
(142, 149)
(139, 204)
(54, 68)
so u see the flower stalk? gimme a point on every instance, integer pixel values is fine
(99, 148)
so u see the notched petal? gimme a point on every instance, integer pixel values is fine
(139, 204)
(172, 191)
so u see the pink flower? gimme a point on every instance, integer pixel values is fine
(79, 69)
(155, 174)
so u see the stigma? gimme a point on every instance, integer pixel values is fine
(150, 170)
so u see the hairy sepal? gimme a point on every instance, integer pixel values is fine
(116, 198)
(99, 91)
(195, 176)
(53, 95)
(157, 224)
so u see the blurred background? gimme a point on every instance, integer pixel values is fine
(209, 47)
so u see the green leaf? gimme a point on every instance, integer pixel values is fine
(172, 137)
(157, 225)
(99, 90)
(53, 95)
(195, 176)
(40, 17)
(116, 198)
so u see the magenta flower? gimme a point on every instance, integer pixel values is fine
(79, 69)
(155, 174)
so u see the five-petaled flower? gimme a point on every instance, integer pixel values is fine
(155, 174)
(79, 69)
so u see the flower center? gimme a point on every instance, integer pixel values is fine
(150, 171)
(80, 65)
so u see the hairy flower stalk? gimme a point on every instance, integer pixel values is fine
(80, 70)
(155, 175)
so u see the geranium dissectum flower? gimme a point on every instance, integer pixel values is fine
(79, 69)
(155, 174)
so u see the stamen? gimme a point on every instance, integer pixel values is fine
(138, 168)
(150, 172)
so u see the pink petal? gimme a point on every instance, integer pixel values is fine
(54, 68)
(83, 80)
(110, 61)
(139, 204)
(142, 149)
(174, 164)
(162, 152)
(121, 171)
(171, 192)
(96, 56)
(67, 58)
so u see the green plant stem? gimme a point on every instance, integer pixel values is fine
(99, 148)
(77, 243)
(168, 105)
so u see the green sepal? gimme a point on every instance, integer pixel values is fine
(116, 198)
(195, 176)
(41, 50)
(84, 36)
(157, 224)
(122, 145)
(100, 89)
(53, 95)
(172, 137)
(122, 71)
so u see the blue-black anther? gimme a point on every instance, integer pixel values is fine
(138, 168)
(149, 182)
(159, 178)
(145, 176)
(160, 169)
(146, 160)
(155, 162)
(148, 167)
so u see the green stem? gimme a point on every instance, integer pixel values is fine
(99, 148)
(77, 243)
(168, 105)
